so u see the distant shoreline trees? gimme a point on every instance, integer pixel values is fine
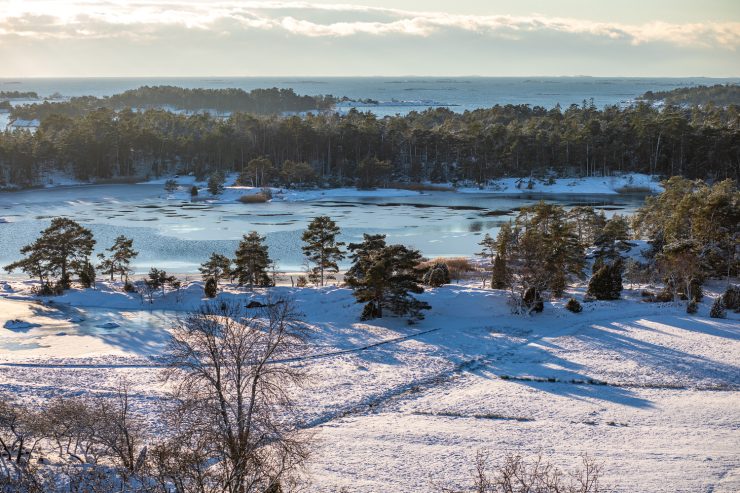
(361, 149)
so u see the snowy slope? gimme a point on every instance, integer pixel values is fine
(651, 392)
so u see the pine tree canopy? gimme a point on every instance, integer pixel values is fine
(64, 247)
(383, 276)
(252, 261)
(322, 249)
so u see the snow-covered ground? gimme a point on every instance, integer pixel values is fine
(506, 186)
(572, 186)
(648, 390)
(596, 185)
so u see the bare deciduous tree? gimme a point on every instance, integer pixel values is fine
(232, 378)
(517, 475)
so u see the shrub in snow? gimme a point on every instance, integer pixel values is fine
(301, 282)
(170, 186)
(211, 287)
(696, 293)
(718, 309)
(573, 306)
(533, 301)
(437, 275)
(731, 297)
(500, 278)
(606, 283)
(47, 289)
(692, 307)
(369, 312)
(665, 296)
(129, 287)
(193, 191)
(87, 276)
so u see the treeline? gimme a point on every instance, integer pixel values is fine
(18, 95)
(718, 94)
(258, 101)
(436, 145)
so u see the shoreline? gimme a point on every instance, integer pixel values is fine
(625, 184)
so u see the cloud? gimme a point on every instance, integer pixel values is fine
(143, 20)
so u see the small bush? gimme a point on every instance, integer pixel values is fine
(211, 287)
(533, 300)
(87, 276)
(369, 312)
(47, 289)
(128, 287)
(193, 191)
(301, 282)
(456, 266)
(718, 309)
(731, 297)
(665, 296)
(573, 306)
(606, 283)
(696, 293)
(437, 275)
(692, 307)
(170, 186)
(256, 198)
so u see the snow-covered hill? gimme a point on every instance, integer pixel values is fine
(647, 389)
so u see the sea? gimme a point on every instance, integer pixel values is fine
(396, 95)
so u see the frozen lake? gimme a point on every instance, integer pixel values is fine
(178, 235)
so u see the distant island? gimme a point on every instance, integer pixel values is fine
(258, 101)
(4, 95)
(718, 94)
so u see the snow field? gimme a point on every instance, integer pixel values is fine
(649, 391)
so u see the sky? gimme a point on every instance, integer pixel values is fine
(180, 38)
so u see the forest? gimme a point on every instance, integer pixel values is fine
(435, 145)
(718, 94)
(257, 101)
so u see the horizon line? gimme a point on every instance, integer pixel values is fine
(584, 76)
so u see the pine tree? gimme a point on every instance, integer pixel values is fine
(546, 250)
(500, 279)
(606, 283)
(718, 309)
(488, 250)
(211, 287)
(159, 279)
(119, 258)
(216, 183)
(496, 252)
(216, 267)
(731, 297)
(612, 237)
(64, 247)
(488, 254)
(382, 276)
(252, 261)
(322, 249)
